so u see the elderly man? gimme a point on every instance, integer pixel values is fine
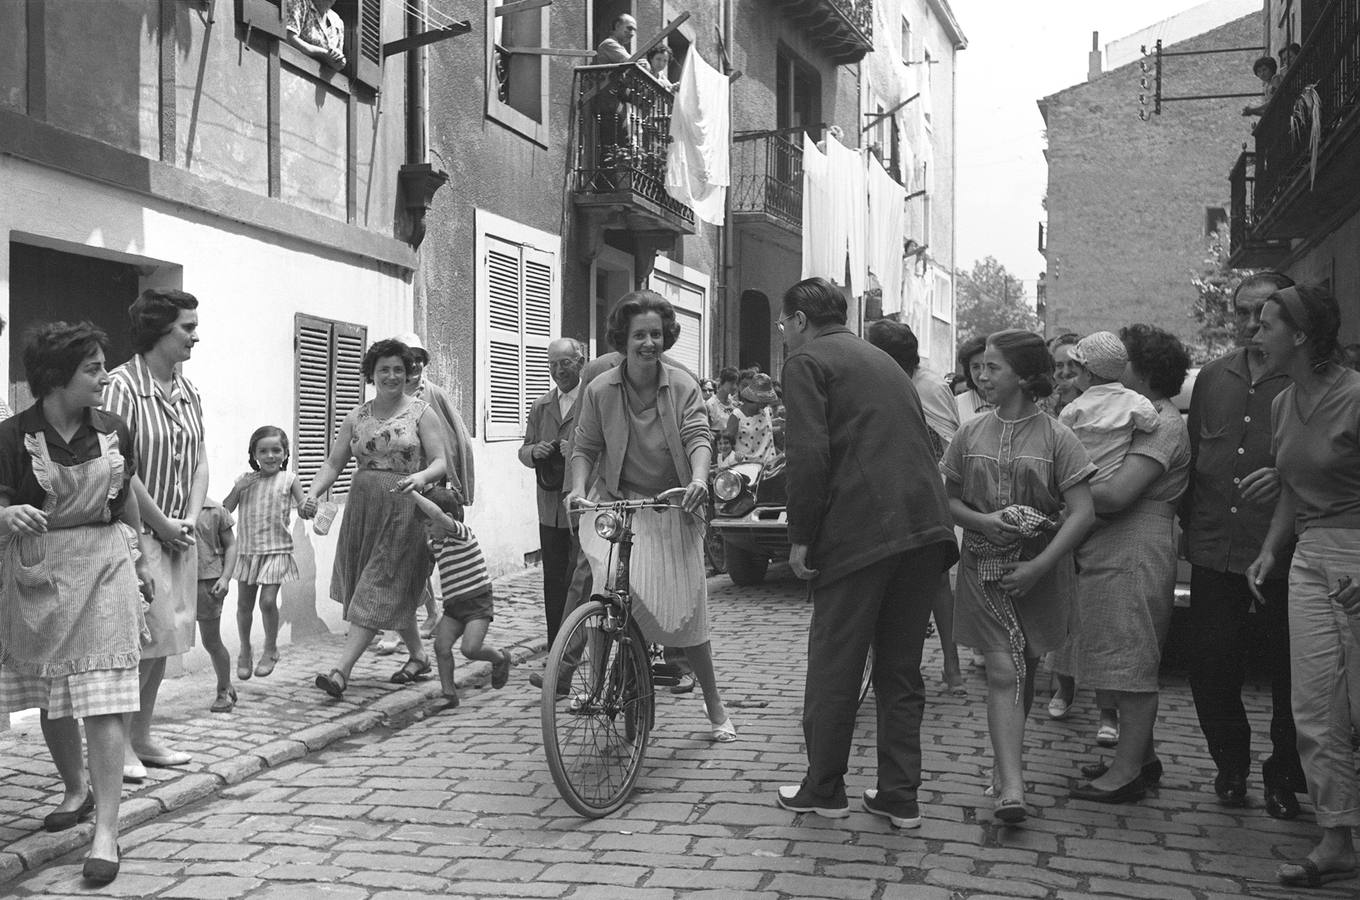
(617, 47)
(1225, 514)
(547, 432)
(869, 527)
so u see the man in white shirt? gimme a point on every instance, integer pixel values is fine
(547, 432)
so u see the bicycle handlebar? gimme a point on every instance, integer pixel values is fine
(660, 501)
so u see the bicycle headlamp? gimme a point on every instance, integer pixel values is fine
(608, 525)
(728, 485)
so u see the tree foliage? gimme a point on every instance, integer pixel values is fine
(1214, 284)
(991, 299)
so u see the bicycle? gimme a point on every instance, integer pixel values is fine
(598, 703)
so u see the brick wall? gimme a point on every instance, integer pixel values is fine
(1127, 198)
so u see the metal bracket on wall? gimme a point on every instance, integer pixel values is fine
(1155, 69)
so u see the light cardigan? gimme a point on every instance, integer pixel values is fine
(602, 422)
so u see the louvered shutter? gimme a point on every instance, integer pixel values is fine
(311, 426)
(504, 291)
(539, 271)
(347, 387)
(367, 46)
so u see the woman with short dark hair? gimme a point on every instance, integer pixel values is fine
(644, 425)
(971, 403)
(1316, 426)
(71, 622)
(382, 563)
(1127, 570)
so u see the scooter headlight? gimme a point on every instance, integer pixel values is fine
(728, 485)
(608, 525)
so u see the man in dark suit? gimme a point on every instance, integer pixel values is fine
(547, 433)
(870, 528)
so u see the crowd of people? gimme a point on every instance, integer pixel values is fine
(1029, 512)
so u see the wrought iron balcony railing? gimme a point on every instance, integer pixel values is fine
(845, 28)
(1246, 249)
(622, 136)
(767, 176)
(1318, 93)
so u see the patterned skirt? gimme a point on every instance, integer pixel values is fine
(670, 591)
(97, 693)
(265, 568)
(382, 563)
(1126, 589)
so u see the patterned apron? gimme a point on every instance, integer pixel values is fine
(73, 600)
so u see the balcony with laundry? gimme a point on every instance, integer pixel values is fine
(844, 29)
(1305, 170)
(623, 120)
(767, 181)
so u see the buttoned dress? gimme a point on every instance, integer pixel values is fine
(996, 463)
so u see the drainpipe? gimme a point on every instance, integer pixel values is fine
(726, 250)
(417, 179)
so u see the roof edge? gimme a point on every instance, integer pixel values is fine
(950, 22)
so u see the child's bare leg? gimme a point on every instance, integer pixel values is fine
(269, 615)
(472, 642)
(210, 632)
(245, 619)
(445, 636)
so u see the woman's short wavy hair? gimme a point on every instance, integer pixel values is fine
(53, 351)
(1027, 355)
(151, 315)
(967, 350)
(634, 304)
(1324, 321)
(898, 341)
(382, 350)
(1157, 355)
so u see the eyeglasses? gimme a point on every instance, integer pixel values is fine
(779, 323)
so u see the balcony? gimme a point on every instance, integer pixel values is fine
(1247, 250)
(842, 28)
(1301, 185)
(767, 181)
(623, 118)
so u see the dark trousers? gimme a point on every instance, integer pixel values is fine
(886, 604)
(559, 548)
(1220, 603)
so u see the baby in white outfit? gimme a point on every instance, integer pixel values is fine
(1107, 414)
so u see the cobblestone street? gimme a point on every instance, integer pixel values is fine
(294, 795)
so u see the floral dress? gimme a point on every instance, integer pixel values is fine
(381, 562)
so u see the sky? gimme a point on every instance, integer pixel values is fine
(1018, 52)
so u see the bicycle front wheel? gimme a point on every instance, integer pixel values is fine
(596, 710)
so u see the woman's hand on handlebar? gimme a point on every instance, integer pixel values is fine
(575, 502)
(695, 500)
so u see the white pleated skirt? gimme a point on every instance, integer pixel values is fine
(670, 590)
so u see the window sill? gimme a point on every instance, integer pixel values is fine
(303, 64)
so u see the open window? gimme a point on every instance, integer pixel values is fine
(798, 94)
(361, 25)
(517, 82)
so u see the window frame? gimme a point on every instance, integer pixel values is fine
(345, 345)
(500, 110)
(364, 60)
(493, 232)
(666, 277)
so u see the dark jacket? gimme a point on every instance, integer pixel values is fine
(862, 479)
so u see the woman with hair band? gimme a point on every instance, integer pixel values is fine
(1316, 425)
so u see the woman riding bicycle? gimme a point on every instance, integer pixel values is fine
(645, 425)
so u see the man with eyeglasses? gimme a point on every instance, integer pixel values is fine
(547, 434)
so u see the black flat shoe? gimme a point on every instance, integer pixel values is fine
(60, 821)
(1231, 789)
(1128, 793)
(101, 871)
(1151, 772)
(1281, 803)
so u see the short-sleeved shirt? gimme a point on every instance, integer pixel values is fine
(1031, 461)
(167, 431)
(462, 567)
(1169, 445)
(938, 403)
(17, 482)
(327, 31)
(1319, 457)
(213, 523)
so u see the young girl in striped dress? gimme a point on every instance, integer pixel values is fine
(265, 562)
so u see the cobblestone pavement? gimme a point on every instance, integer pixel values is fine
(293, 795)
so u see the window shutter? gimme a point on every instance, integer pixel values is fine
(311, 431)
(347, 387)
(263, 15)
(538, 329)
(504, 283)
(368, 40)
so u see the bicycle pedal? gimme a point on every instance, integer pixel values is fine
(664, 680)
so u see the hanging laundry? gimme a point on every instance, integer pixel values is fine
(698, 168)
(818, 250)
(887, 201)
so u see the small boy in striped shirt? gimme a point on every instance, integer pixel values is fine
(466, 589)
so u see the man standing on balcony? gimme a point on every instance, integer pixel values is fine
(869, 527)
(1225, 514)
(618, 46)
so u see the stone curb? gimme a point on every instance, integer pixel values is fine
(27, 854)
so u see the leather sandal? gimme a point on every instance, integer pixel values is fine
(412, 670)
(333, 684)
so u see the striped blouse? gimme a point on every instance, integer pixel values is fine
(167, 432)
(462, 568)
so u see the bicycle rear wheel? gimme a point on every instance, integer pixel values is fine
(596, 711)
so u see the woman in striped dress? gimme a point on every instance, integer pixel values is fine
(164, 415)
(71, 626)
(381, 562)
